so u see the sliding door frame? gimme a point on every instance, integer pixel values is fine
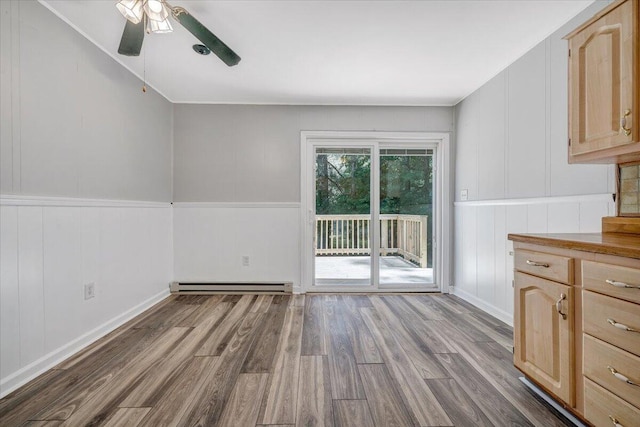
(442, 221)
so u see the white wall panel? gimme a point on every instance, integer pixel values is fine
(63, 292)
(469, 259)
(485, 243)
(210, 241)
(516, 221)
(490, 222)
(458, 247)
(501, 284)
(50, 252)
(563, 218)
(9, 292)
(591, 214)
(31, 280)
(537, 218)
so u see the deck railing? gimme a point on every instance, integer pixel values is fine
(405, 235)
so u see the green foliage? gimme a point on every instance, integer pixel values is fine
(405, 185)
(342, 184)
(343, 181)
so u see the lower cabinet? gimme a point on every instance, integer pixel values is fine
(543, 334)
(576, 328)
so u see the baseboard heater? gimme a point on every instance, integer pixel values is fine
(210, 288)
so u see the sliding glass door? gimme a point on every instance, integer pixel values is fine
(406, 218)
(372, 216)
(343, 231)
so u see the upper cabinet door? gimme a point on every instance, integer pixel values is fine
(603, 85)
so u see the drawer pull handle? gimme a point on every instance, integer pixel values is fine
(621, 284)
(537, 264)
(621, 326)
(615, 421)
(621, 377)
(559, 306)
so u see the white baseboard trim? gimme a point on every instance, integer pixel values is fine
(77, 202)
(585, 198)
(492, 310)
(48, 361)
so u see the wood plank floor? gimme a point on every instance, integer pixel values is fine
(315, 360)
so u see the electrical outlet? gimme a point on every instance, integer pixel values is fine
(464, 195)
(245, 261)
(89, 290)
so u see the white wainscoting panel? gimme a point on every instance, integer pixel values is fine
(49, 251)
(9, 292)
(210, 240)
(483, 265)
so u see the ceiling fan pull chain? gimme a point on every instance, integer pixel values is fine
(144, 64)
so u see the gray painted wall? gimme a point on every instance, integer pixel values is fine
(511, 134)
(240, 153)
(75, 123)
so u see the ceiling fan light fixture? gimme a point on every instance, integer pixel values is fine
(131, 9)
(159, 27)
(156, 10)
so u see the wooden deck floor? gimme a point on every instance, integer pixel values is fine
(332, 360)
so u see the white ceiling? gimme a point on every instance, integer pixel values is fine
(331, 52)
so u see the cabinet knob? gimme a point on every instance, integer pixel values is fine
(559, 306)
(623, 123)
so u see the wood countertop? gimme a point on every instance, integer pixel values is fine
(626, 245)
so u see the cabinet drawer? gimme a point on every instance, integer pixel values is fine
(600, 405)
(552, 267)
(611, 280)
(600, 358)
(602, 313)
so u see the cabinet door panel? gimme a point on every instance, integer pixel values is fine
(543, 338)
(601, 82)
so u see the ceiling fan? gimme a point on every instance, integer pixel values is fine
(153, 16)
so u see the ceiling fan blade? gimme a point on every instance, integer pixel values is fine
(132, 38)
(207, 38)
